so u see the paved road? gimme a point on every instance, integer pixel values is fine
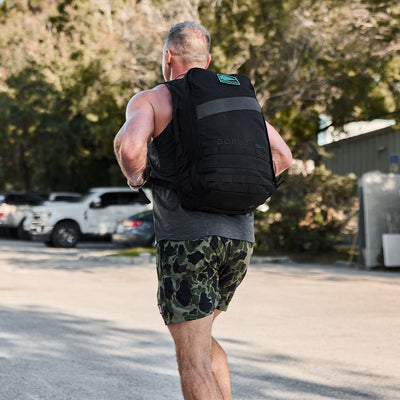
(77, 326)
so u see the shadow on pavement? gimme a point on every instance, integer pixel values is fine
(266, 375)
(48, 355)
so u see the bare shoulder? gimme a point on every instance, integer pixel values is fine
(153, 105)
(158, 93)
(156, 98)
(160, 90)
(160, 96)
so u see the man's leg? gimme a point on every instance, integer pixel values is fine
(220, 367)
(183, 291)
(198, 356)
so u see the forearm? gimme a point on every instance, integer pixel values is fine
(130, 144)
(132, 159)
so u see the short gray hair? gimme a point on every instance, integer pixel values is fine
(189, 40)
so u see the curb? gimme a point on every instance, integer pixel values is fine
(143, 258)
(150, 258)
(271, 260)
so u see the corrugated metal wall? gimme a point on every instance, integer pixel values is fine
(373, 151)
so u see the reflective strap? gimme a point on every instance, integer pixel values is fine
(227, 104)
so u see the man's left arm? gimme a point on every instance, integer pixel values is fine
(281, 154)
(130, 143)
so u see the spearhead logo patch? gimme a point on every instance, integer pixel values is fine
(228, 79)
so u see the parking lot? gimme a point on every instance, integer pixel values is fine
(75, 324)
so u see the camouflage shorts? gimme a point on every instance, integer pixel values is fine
(195, 277)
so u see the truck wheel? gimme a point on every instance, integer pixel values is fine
(65, 234)
(21, 232)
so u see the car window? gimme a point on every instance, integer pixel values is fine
(61, 197)
(22, 199)
(122, 198)
(109, 199)
(132, 198)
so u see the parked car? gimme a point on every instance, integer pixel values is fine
(137, 230)
(15, 207)
(96, 213)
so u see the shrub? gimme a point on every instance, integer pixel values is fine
(311, 212)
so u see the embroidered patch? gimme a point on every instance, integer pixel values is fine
(228, 79)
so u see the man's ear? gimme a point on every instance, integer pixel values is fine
(208, 60)
(168, 56)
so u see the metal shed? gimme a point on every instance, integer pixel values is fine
(373, 151)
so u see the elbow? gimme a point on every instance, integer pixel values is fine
(133, 157)
(287, 159)
(283, 161)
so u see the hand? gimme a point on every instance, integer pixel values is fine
(141, 180)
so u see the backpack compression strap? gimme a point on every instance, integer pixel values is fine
(226, 104)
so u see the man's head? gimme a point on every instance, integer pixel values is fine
(187, 46)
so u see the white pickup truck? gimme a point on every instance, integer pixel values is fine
(97, 213)
(14, 208)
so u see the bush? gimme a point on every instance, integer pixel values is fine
(311, 212)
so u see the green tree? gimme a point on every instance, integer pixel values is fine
(91, 57)
(308, 58)
(27, 105)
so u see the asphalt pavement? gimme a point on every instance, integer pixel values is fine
(77, 325)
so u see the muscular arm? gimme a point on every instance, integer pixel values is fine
(281, 154)
(130, 143)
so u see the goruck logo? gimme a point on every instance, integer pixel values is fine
(228, 79)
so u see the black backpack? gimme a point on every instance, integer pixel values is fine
(223, 155)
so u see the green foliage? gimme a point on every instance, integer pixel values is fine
(308, 58)
(58, 136)
(28, 109)
(310, 213)
(68, 69)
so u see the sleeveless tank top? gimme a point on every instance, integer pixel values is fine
(171, 221)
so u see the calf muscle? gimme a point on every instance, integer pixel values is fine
(202, 372)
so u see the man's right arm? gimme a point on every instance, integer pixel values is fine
(130, 143)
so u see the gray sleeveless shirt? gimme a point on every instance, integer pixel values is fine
(171, 221)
